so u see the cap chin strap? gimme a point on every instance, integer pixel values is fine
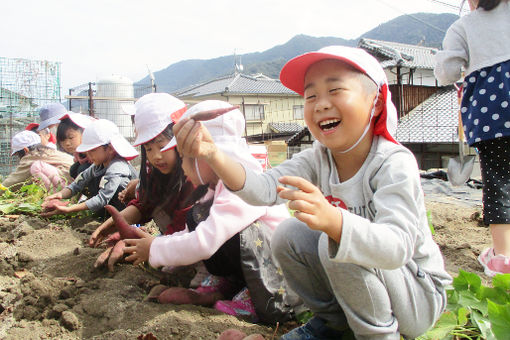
(198, 172)
(366, 128)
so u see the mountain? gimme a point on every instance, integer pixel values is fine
(421, 28)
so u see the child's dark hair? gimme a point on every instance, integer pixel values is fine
(160, 188)
(39, 148)
(64, 126)
(488, 4)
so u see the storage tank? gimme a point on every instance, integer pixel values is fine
(118, 90)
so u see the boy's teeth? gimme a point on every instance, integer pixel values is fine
(329, 121)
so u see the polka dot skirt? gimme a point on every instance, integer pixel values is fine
(485, 103)
(495, 167)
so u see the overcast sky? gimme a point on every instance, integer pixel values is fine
(97, 38)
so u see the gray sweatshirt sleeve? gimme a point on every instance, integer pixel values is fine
(399, 228)
(81, 180)
(260, 189)
(453, 58)
(117, 175)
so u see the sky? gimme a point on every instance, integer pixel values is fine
(94, 39)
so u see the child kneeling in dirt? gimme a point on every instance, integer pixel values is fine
(41, 163)
(231, 237)
(359, 251)
(163, 192)
(109, 174)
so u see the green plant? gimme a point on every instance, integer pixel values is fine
(475, 311)
(26, 200)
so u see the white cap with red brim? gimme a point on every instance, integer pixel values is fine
(79, 119)
(103, 132)
(153, 113)
(294, 71)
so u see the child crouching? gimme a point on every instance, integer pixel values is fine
(110, 173)
(231, 237)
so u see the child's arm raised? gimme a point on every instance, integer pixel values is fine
(195, 141)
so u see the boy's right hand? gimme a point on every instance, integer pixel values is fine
(194, 140)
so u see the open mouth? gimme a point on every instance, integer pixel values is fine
(329, 124)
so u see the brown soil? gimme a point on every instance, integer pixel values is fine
(50, 290)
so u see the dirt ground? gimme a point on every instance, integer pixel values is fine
(50, 290)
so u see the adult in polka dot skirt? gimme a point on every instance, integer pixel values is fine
(479, 45)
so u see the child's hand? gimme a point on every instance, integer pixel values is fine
(138, 249)
(128, 193)
(193, 139)
(99, 235)
(311, 207)
(57, 196)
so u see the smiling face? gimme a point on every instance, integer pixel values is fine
(338, 102)
(71, 141)
(163, 161)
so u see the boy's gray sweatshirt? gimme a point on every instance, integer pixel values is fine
(118, 174)
(385, 222)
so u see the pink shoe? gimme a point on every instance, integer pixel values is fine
(212, 284)
(494, 264)
(241, 306)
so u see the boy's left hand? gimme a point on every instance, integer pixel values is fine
(138, 249)
(311, 207)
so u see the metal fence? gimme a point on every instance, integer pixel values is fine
(25, 85)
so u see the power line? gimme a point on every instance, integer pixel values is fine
(412, 16)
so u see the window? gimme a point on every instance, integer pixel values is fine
(254, 111)
(298, 111)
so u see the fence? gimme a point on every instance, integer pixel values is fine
(25, 85)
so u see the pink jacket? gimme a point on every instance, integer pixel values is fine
(228, 215)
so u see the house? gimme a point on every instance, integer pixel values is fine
(409, 69)
(272, 111)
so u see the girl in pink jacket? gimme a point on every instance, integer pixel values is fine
(231, 237)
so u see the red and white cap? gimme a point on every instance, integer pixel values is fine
(24, 139)
(102, 132)
(79, 119)
(227, 132)
(294, 71)
(153, 113)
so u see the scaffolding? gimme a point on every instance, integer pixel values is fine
(25, 85)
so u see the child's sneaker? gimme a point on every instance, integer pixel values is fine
(241, 306)
(315, 329)
(213, 284)
(494, 264)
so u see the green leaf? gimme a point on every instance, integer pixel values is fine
(462, 316)
(469, 300)
(7, 208)
(431, 226)
(499, 316)
(446, 323)
(496, 294)
(467, 281)
(483, 324)
(502, 281)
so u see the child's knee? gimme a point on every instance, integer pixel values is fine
(36, 168)
(287, 235)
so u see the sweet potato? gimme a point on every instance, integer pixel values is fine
(101, 260)
(232, 334)
(211, 114)
(116, 255)
(126, 231)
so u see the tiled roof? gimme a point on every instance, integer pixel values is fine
(236, 84)
(412, 56)
(433, 121)
(285, 127)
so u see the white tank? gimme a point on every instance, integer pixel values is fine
(117, 89)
